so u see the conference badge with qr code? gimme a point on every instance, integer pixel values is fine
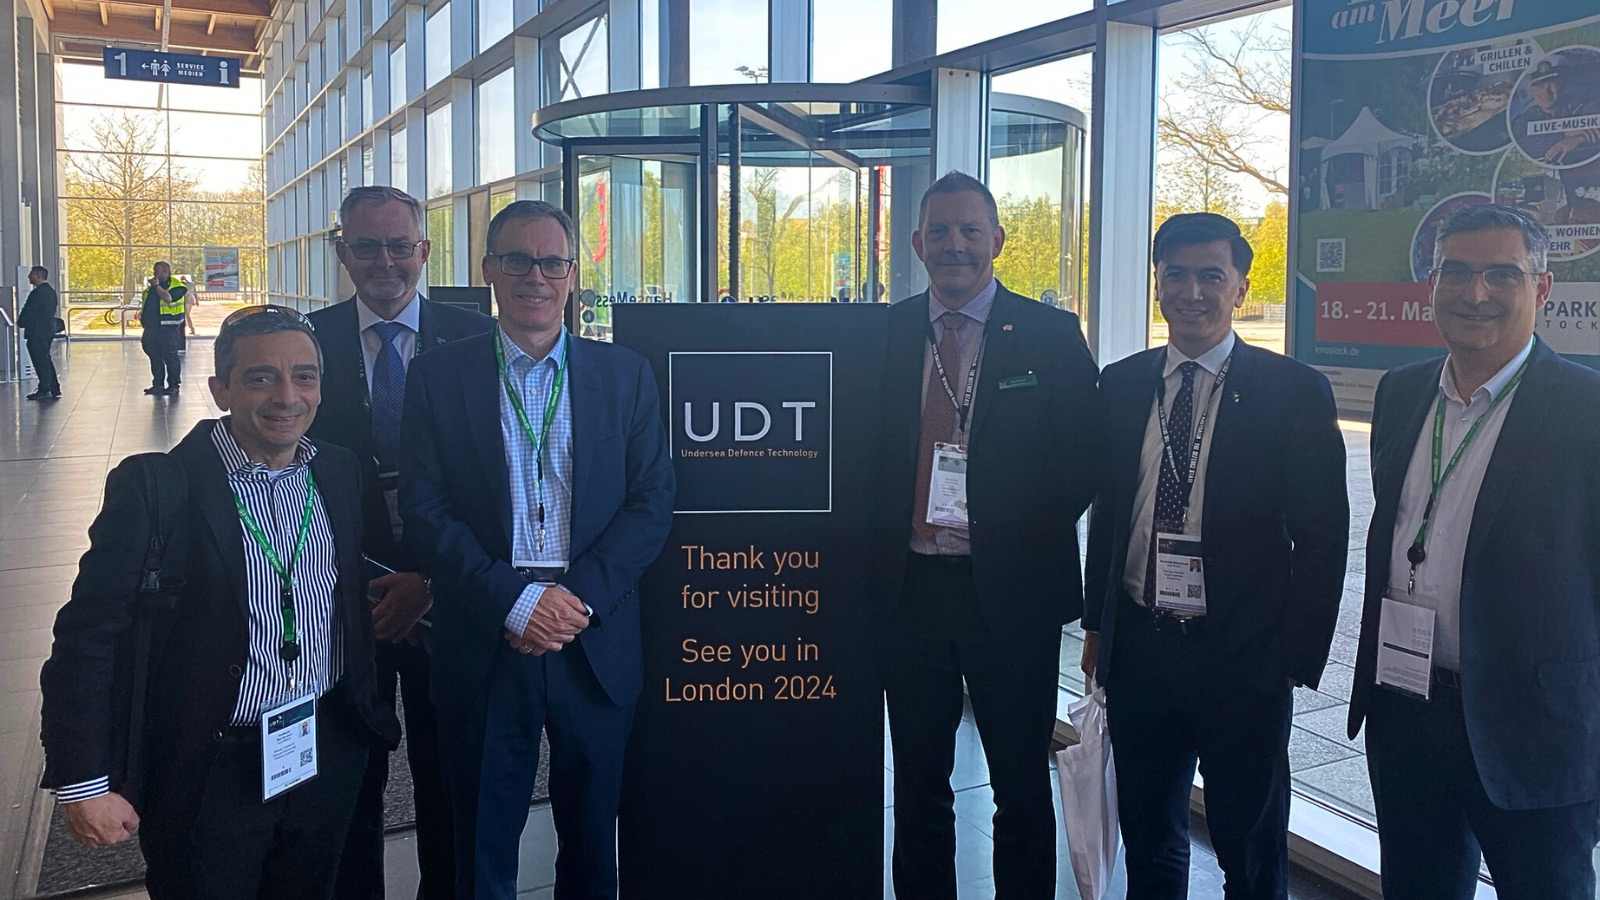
(1180, 574)
(288, 744)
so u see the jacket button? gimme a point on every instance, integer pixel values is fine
(217, 735)
(235, 671)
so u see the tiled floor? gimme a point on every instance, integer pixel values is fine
(53, 460)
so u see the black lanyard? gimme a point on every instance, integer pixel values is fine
(964, 407)
(1167, 453)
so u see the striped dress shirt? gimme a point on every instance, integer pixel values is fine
(276, 500)
(534, 379)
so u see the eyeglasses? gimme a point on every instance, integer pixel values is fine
(517, 264)
(240, 315)
(1495, 278)
(369, 249)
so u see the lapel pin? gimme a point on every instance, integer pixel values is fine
(1005, 327)
(1235, 396)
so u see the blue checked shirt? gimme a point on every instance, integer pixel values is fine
(534, 378)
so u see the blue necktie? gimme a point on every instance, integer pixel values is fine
(388, 393)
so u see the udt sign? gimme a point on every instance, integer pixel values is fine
(740, 407)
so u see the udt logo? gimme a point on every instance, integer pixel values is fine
(752, 431)
(740, 408)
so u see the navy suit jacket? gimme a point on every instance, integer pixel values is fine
(1276, 522)
(1530, 586)
(1035, 454)
(345, 417)
(455, 500)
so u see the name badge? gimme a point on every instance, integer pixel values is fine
(1405, 647)
(1180, 574)
(947, 490)
(288, 744)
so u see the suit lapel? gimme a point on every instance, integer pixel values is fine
(338, 502)
(999, 334)
(586, 415)
(352, 368)
(428, 326)
(480, 390)
(211, 493)
(1521, 439)
(1391, 461)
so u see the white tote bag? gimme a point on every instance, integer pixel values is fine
(1089, 797)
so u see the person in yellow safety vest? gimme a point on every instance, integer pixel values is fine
(162, 314)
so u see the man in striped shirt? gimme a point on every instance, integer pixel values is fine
(268, 608)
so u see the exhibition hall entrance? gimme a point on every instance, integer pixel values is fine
(789, 193)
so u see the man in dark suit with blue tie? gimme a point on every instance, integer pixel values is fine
(995, 393)
(536, 485)
(1215, 567)
(1478, 671)
(367, 343)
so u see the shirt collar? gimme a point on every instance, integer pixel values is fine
(411, 316)
(557, 354)
(1491, 388)
(1211, 360)
(238, 463)
(977, 309)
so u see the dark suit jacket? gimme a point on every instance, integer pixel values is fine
(455, 499)
(38, 317)
(1035, 455)
(345, 418)
(1530, 587)
(195, 681)
(1276, 523)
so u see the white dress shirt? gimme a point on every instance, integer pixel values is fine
(1439, 576)
(406, 342)
(1150, 462)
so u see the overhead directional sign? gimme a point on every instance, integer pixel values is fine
(173, 68)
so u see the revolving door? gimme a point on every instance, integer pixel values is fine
(789, 192)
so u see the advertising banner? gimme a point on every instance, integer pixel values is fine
(1409, 110)
(222, 269)
(756, 764)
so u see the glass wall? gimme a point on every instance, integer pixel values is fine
(497, 139)
(153, 173)
(851, 39)
(727, 41)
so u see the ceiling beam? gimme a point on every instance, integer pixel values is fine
(225, 38)
(238, 9)
(211, 24)
(49, 9)
(103, 15)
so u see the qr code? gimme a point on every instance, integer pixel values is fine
(305, 756)
(1330, 254)
(1194, 591)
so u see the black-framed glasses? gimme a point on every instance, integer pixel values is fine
(1495, 278)
(518, 264)
(243, 313)
(395, 249)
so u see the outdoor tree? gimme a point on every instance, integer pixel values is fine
(118, 198)
(1237, 92)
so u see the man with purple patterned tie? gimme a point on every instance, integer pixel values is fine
(368, 343)
(1215, 567)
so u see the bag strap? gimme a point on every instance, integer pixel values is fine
(166, 493)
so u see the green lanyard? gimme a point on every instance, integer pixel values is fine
(538, 440)
(291, 645)
(1418, 551)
